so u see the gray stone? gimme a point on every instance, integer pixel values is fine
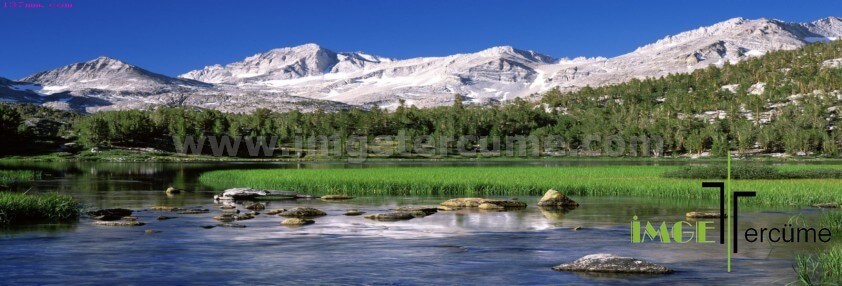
(110, 214)
(553, 198)
(251, 194)
(459, 203)
(353, 212)
(119, 223)
(297, 221)
(609, 263)
(303, 212)
(195, 211)
(256, 207)
(394, 216)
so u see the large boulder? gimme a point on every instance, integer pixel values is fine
(303, 212)
(609, 263)
(553, 198)
(459, 203)
(109, 214)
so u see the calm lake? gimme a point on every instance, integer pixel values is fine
(462, 247)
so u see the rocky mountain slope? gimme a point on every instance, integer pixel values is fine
(310, 76)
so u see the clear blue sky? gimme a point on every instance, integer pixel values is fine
(175, 36)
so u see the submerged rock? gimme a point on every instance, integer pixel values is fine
(458, 203)
(609, 263)
(303, 212)
(703, 214)
(119, 223)
(336, 197)
(826, 205)
(276, 211)
(227, 207)
(151, 231)
(425, 210)
(393, 216)
(256, 207)
(195, 211)
(231, 225)
(353, 212)
(165, 209)
(297, 221)
(553, 198)
(110, 214)
(252, 194)
(229, 217)
(166, 217)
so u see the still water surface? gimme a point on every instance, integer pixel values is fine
(464, 247)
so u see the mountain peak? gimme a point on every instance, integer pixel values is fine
(509, 51)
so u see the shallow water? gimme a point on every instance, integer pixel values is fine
(463, 247)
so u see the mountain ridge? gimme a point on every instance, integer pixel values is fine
(311, 73)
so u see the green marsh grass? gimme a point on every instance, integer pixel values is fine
(641, 181)
(8, 176)
(823, 267)
(20, 208)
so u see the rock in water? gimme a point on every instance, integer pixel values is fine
(276, 211)
(165, 208)
(251, 194)
(491, 207)
(256, 207)
(229, 217)
(303, 212)
(353, 212)
(609, 263)
(425, 210)
(171, 191)
(459, 203)
(553, 198)
(336, 197)
(110, 214)
(231, 225)
(119, 223)
(703, 215)
(195, 211)
(392, 216)
(297, 221)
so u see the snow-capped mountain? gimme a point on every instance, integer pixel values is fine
(285, 63)
(310, 76)
(104, 73)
